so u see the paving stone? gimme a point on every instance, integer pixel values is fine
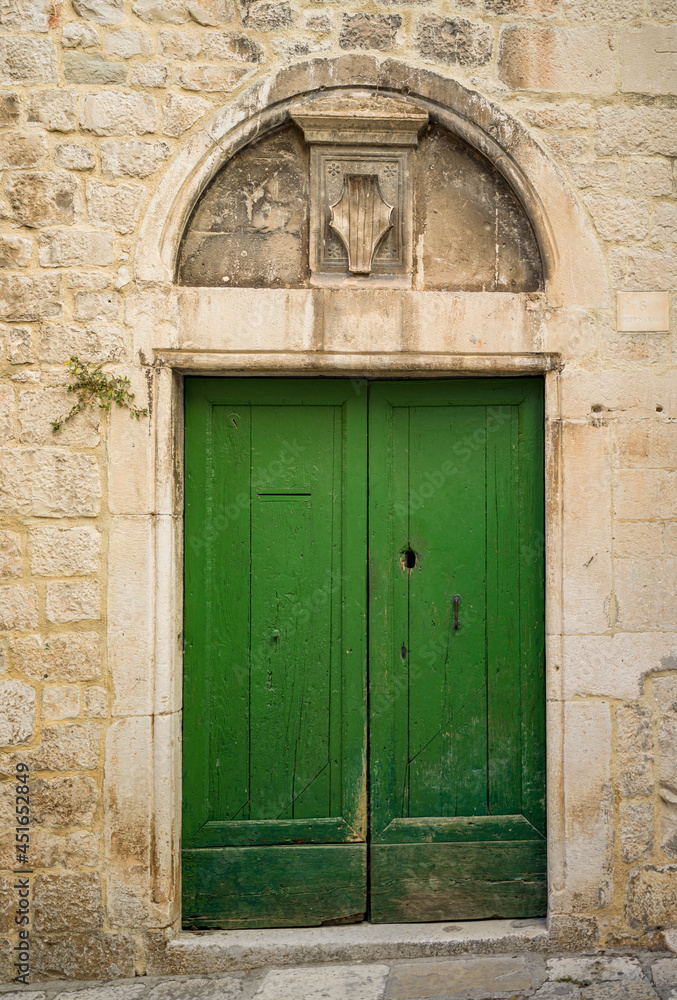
(347, 982)
(635, 990)
(664, 973)
(558, 991)
(198, 989)
(460, 978)
(596, 969)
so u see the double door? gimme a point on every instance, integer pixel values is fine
(364, 708)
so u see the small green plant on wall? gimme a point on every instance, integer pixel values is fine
(91, 386)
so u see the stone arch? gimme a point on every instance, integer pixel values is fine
(573, 265)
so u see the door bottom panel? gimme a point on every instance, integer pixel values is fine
(300, 886)
(471, 881)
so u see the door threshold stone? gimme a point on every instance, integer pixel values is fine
(242, 950)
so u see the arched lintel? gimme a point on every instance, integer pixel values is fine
(573, 264)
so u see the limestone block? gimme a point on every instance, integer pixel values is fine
(64, 551)
(212, 78)
(149, 75)
(664, 973)
(25, 15)
(650, 176)
(95, 702)
(15, 251)
(21, 150)
(97, 306)
(63, 801)
(211, 12)
(102, 11)
(68, 747)
(116, 208)
(671, 538)
(265, 15)
(665, 692)
(179, 45)
(10, 554)
(645, 494)
(42, 199)
(72, 602)
(619, 218)
(126, 43)
(69, 248)
(320, 23)
(60, 701)
(130, 632)
(634, 747)
(161, 11)
(7, 413)
(557, 59)
(232, 46)
(569, 115)
(648, 444)
(99, 344)
(77, 35)
(83, 956)
(85, 67)
(18, 607)
(131, 455)
(454, 41)
(44, 850)
(67, 902)
(637, 822)
(81, 850)
(597, 969)
(665, 224)
(10, 108)
(358, 31)
(597, 175)
(19, 346)
(638, 538)
(646, 591)
(367, 982)
(73, 157)
(113, 112)
(647, 59)
(37, 410)
(180, 113)
(643, 130)
(587, 527)
(17, 712)
(567, 147)
(68, 656)
(647, 269)
(132, 159)
(55, 109)
(127, 820)
(27, 60)
(652, 896)
(588, 801)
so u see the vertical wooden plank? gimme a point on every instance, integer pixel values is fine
(349, 754)
(532, 602)
(197, 681)
(291, 555)
(447, 725)
(227, 525)
(503, 612)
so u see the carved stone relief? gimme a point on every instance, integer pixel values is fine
(352, 140)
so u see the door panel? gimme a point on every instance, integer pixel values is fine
(457, 714)
(280, 475)
(275, 653)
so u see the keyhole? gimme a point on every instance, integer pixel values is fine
(409, 559)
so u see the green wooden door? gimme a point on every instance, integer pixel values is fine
(457, 706)
(279, 481)
(274, 819)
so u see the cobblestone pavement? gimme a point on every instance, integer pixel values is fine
(599, 976)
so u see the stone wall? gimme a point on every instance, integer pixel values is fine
(100, 98)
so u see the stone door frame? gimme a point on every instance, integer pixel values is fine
(521, 333)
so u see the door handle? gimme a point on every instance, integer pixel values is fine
(457, 601)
